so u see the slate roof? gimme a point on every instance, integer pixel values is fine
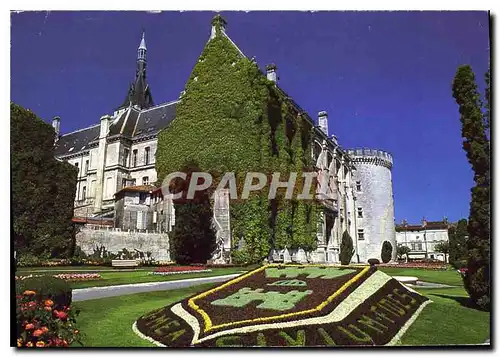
(419, 227)
(76, 141)
(132, 124)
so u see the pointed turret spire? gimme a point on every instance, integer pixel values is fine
(141, 51)
(139, 94)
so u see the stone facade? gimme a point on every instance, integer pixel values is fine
(423, 238)
(374, 202)
(115, 240)
(119, 152)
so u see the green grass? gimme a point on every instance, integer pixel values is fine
(138, 276)
(108, 322)
(448, 277)
(447, 321)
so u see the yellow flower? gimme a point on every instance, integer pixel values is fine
(19, 342)
(40, 344)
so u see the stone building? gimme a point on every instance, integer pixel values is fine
(422, 238)
(117, 154)
(374, 202)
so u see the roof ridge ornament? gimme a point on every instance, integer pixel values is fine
(218, 25)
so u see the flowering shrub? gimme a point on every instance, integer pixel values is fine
(67, 277)
(417, 265)
(167, 270)
(41, 324)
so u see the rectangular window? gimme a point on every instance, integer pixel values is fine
(133, 182)
(126, 153)
(134, 158)
(146, 155)
(419, 246)
(145, 180)
(84, 193)
(361, 234)
(142, 198)
(86, 166)
(358, 186)
(360, 212)
(124, 183)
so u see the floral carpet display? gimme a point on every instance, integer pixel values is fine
(289, 305)
(179, 270)
(67, 277)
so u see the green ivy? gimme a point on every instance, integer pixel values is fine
(232, 119)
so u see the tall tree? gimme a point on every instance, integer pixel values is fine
(193, 239)
(476, 146)
(456, 236)
(43, 189)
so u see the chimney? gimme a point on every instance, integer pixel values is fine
(323, 121)
(56, 124)
(271, 72)
(218, 22)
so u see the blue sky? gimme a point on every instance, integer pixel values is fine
(384, 78)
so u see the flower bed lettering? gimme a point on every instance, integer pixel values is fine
(318, 306)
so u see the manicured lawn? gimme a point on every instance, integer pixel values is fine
(108, 322)
(447, 321)
(448, 277)
(138, 276)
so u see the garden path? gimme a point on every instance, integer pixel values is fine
(118, 290)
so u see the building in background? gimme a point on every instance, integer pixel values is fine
(116, 168)
(422, 238)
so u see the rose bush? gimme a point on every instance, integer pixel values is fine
(41, 324)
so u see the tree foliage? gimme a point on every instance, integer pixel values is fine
(456, 236)
(232, 119)
(43, 189)
(402, 250)
(386, 254)
(346, 249)
(477, 147)
(193, 239)
(443, 247)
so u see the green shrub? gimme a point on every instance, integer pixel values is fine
(386, 254)
(47, 287)
(373, 261)
(346, 249)
(239, 256)
(459, 264)
(27, 260)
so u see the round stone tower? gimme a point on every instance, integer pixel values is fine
(374, 202)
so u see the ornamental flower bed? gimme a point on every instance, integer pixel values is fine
(40, 325)
(168, 270)
(292, 305)
(68, 277)
(416, 265)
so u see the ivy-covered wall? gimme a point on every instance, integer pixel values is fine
(232, 119)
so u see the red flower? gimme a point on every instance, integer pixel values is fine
(37, 333)
(61, 315)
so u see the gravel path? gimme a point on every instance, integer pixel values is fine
(423, 284)
(118, 290)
